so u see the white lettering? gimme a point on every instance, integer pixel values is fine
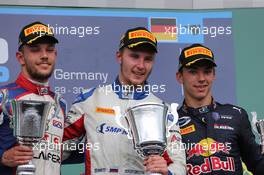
(60, 74)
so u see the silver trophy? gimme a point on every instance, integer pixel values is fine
(258, 127)
(29, 120)
(148, 127)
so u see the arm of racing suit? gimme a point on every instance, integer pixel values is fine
(175, 153)
(74, 132)
(250, 150)
(7, 140)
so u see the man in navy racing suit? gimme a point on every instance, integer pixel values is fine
(216, 136)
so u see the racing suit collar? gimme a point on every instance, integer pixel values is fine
(32, 87)
(130, 93)
(200, 110)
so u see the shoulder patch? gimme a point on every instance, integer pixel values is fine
(183, 121)
(63, 105)
(84, 95)
(237, 108)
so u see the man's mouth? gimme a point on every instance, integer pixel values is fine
(200, 87)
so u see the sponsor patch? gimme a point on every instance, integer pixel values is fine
(43, 91)
(134, 172)
(37, 28)
(212, 164)
(104, 128)
(187, 130)
(228, 117)
(184, 120)
(52, 138)
(238, 109)
(57, 124)
(55, 158)
(208, 147)
(170, 117)
(141, 34)
(99, 170)
(113, 170)
(223, 126)
(197, 51)
(215, 116)
(175, 138)
(105, 110)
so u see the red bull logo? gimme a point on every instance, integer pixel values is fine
(207, 147)
(212, 164)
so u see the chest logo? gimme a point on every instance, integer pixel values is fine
(105, 110)
(187, 130)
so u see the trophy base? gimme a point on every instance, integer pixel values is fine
(25, 173)
(154, 174)
(28, 169)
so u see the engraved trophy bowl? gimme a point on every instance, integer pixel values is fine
(29, 119)
(148, 126)
(260, 129)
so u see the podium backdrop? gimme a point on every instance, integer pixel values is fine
(89, 39)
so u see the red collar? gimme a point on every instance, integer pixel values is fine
(32, 87)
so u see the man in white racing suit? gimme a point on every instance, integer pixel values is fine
(108, 150)
(37, 55)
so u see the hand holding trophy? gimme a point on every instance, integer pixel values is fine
(28, 120)
(148, 127)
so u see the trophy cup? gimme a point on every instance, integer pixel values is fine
(258, 127)
(148, 127)
(28, 120)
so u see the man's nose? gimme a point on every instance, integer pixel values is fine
(201, 76)
(141, 63)
(44, 54)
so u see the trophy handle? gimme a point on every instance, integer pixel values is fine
(174, 112)
(254, 121)
(118, 117)
(4, 93)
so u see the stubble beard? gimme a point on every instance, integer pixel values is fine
(36, 75)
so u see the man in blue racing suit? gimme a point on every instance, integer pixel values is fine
(216, 136)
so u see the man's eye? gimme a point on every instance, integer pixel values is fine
(149, 58)
(51, 49)
(34, 49)
(192, 71)
(135, 55)
(208, 71)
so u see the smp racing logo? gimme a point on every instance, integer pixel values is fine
(207, 148)
(104, 128)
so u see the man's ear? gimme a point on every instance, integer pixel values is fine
(119, 57)
(20, 57)
(179, 77)
(214, 73)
